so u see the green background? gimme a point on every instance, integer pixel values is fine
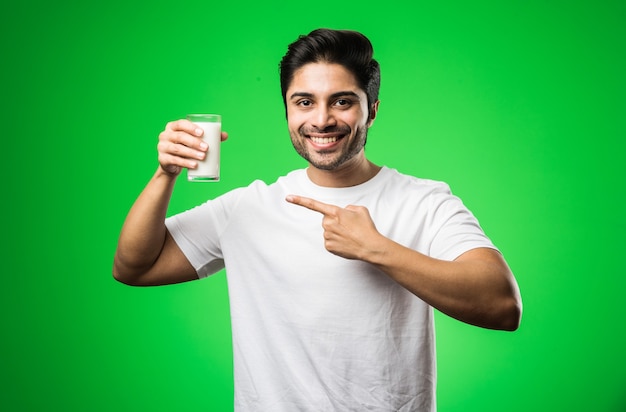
(519, 106)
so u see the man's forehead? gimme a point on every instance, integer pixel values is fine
(323, 78)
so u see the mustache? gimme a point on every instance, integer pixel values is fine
(331, 129)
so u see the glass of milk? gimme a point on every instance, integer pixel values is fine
(208, 170)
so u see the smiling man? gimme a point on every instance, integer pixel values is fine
(328, 117)
(333, 270)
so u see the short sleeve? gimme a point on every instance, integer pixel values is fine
(197, 232)
(455, 230)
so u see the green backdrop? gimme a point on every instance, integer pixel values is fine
(519, 106)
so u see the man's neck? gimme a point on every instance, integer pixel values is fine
(355, 173)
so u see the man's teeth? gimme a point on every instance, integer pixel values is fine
(323, 140)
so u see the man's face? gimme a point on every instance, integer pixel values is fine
(327, 115)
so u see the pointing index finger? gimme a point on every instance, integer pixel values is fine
(311, 204)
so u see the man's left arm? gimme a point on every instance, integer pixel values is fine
(477, 287)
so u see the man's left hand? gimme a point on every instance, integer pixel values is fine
(348, 232)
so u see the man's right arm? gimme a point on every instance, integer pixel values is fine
(146, 253)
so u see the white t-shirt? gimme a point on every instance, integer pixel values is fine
(313, 331)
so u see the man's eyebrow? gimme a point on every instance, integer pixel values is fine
(332, 96)
(345, 94)
(300, 94)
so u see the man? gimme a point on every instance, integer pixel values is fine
(333, 270)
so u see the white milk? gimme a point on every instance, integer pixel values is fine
(209, 168)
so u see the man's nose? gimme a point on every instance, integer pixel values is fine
(323, 118)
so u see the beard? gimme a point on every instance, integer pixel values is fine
(329, 159)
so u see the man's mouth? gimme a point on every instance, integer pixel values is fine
(324, 140)
(325, 137)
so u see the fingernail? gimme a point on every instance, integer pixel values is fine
(204, 146)
(199, 131)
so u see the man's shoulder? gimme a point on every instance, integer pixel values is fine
(260, 188)
(293, 177)
(395, 179)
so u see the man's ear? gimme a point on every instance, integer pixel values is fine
(373, 113)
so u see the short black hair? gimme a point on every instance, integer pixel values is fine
(348, 48)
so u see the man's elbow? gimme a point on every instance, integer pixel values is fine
(509, 306)
(125, 276)
(510, 314)
(120, 277)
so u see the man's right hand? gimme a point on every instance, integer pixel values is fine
(180, 145)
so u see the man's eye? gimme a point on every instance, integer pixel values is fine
(304, 103)
(343, 102)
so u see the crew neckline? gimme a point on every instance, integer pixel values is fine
(324, 192)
